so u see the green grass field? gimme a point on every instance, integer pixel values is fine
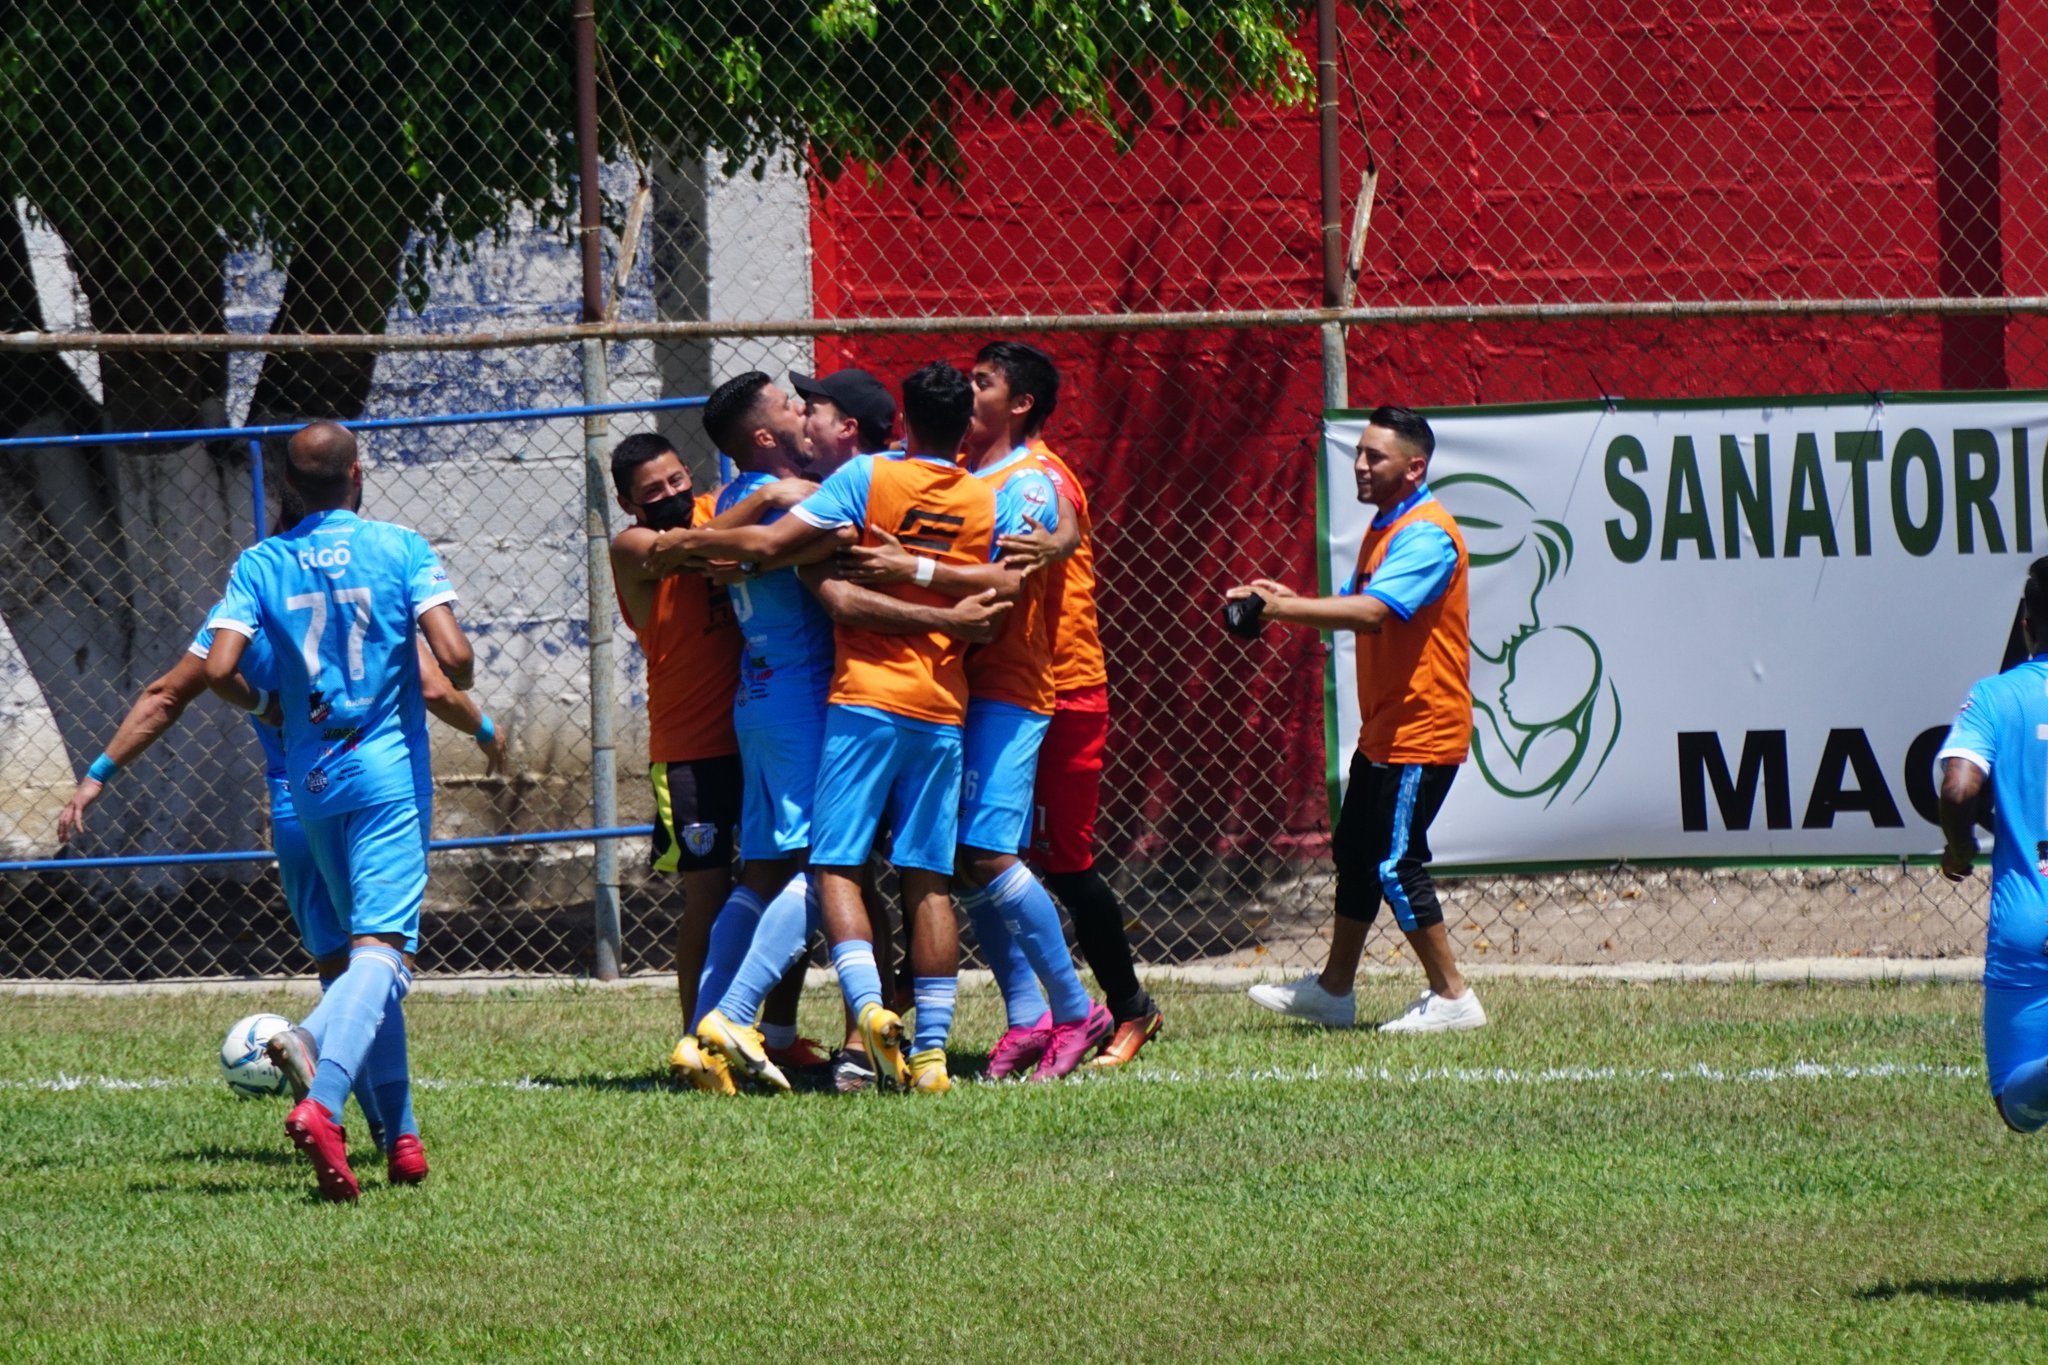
(1607, 1172)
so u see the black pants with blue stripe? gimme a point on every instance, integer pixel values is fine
(1381, 843)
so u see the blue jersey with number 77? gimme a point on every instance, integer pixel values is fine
(2003, 731)
(336, 597)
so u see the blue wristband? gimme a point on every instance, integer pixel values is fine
(486, 732)
(102, 768)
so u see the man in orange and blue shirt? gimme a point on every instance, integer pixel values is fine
(1407, 604)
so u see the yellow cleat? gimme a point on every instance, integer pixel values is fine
(882, 1031)
(738, 1048)
(707, 1072)
(928, 1072)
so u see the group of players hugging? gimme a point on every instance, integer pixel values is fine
(853, 639)
(856, 640)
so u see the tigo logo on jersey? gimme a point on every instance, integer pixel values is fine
(330, 560)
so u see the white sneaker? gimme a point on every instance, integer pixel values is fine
(1432, 1013)
(1306, 999)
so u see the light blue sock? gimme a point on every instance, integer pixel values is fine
(1022, 1003)
(355, 1003)
(387, 1077)
(1034, 921)
(935, 996)
(316, 1022)
(779, 937)
(859, 982)
(732, 935)
(365, 1100)
(2024, 1101)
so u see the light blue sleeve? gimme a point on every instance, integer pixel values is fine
(1974, 736)
(427, 584)
(842, 500)
(202, 643)
(241, 607)
(1029, 494)
(1416, 570)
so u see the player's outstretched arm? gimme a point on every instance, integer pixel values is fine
(449, 645)
(890, 562)
(1363, 613)
(153, 713)
(973, 620)
(778, 496)
(702, 547)
(1961, 781)
(459, 711)
(1039, 548)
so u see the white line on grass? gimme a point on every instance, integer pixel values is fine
(1440, 1075)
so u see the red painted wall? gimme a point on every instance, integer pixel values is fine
(1560, 151)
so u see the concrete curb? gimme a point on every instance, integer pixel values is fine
(1845, 970)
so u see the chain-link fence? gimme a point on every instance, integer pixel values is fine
(261, 168)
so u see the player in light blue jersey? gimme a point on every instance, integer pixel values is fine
(2001, 736)
(338, 599)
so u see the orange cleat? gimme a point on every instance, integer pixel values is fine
(1130, 1035)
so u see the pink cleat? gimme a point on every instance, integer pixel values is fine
(326, 1146)
(1073, 1041)
(1018, 1048)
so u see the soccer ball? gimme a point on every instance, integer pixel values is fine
(244, 1064)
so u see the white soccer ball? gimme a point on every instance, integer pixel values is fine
(244, 1064)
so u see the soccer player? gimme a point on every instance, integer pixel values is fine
(338, 599)
(1407, 604)
(692, 645)
(1996, 740)
(1069, 785)
(323, 935)
(1010, 682)
(892, 729)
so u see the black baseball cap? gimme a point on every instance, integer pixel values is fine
(856, 393)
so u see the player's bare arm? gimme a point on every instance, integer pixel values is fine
(1363, 613)
(890, 562)
(974, 620)
(223, 677)
(457, 710)
(1039, 548)
(153, 713)
(778, 496)
(1961, 782)
(703, 547)
(449, 646)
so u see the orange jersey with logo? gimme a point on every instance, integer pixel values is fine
(934, 509)
(692, 646)
(1016, 666)
(1077, 660)
(1415, 676)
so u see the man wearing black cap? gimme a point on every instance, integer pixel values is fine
(846, 413)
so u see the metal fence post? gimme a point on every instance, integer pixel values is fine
(604, 775)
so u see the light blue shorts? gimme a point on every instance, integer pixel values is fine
(305, 895)
(373, 863)
(873, 763)
(2015, 1031)
(1001, 757)
(779, 766)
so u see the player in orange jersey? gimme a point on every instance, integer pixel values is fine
(1407, 604)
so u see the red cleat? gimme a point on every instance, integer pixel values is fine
(407, 1164)
(801, 1055)
(326, 1146)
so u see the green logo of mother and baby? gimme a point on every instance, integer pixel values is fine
(1545, 715)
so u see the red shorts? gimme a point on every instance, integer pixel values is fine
(1069, 788)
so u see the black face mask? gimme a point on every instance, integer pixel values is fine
(676, 512)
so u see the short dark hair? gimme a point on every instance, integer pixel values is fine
(1026, 369)
(2034, 602)
(291, 509)
(1407, 424)
(317, 461)
(938, 404)
(730, 405)
(629, 454)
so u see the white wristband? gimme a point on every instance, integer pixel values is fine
(262, 702)
(927, 567)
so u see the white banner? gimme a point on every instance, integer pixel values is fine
(1715, 630)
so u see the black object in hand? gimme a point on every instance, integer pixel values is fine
(1245, 616)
